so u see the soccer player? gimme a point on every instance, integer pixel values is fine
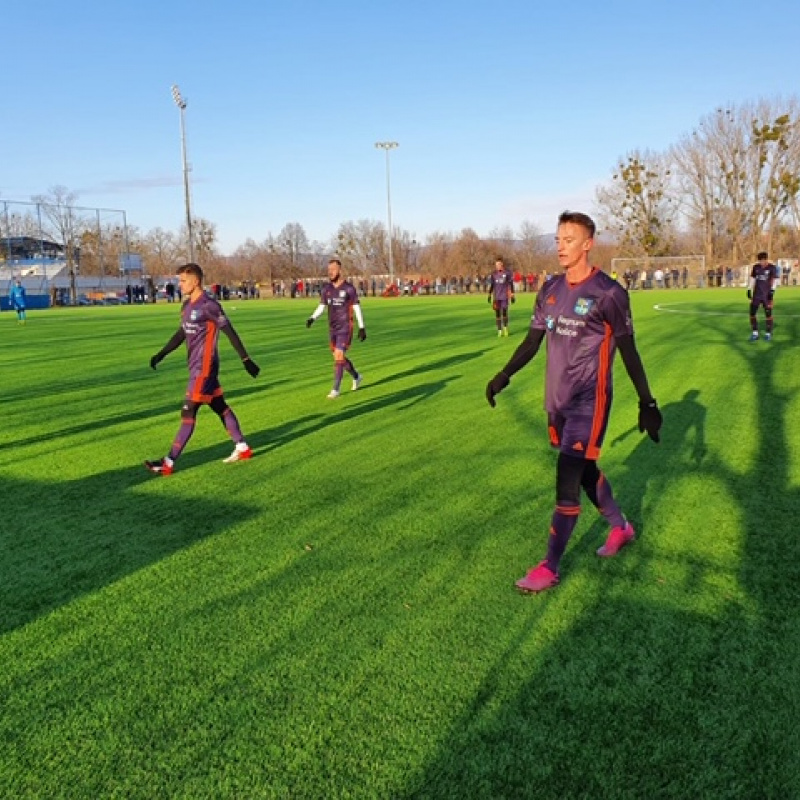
(760, 292)
(501, 290)
(16, 299)
(586, 317)
(341, 299)
(202, 318)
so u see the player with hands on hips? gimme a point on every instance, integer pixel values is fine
(585, 316)
(202, 318)
(340, 298)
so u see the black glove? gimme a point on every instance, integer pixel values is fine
(771, 295)
(252, 368)
(513, 299)
(649, 418)
(362, 334)
(749, 294)
(489, 297)
(309, 322)
(495, 386)
(155, 360)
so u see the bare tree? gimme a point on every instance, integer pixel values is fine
(205, 234)
(533, 249)
(20, 223)
(64, 224)
(293, 242)
(469, 254)
(102, 246)
(161, 252)
(434, 256)
(696, 174)
(361, 246)
(739, 171)
(638, 205)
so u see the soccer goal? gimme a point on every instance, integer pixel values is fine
(661, 272)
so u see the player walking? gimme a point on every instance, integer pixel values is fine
(17, 300)
(501, 288)
(202, 318)
(341, 299)
(760, 292)
(585, 316)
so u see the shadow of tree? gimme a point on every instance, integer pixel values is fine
(72, 543)
(701, 699)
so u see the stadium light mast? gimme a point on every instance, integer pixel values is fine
(386, 147)
(181, 103)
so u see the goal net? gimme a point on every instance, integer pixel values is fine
(664, 272)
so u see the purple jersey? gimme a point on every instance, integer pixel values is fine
(765, 278)
(501, 282)
(340, 301)
(202, 321)
(581, 321)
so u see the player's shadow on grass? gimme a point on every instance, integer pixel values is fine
(682, 447)
(432, 366)
(273, 438)
(610, 697)
(65, 539)
(97, 425)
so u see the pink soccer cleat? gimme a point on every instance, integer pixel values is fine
(538, 579)
(617, 539)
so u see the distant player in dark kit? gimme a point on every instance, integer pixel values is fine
(202, 318)
(586, 317)
(501, 290)
(17, 300)
(761, 292)
(341, 299)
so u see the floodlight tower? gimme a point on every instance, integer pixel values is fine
(386, 147)
(181, 103)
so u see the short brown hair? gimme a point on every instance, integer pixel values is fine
(335, 260)
(578, 218)
(191, 269)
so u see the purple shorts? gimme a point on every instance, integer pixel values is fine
(579, 436)
(203, 388)
(341, 341)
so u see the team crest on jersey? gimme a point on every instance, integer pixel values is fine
(193, 316)
(342, 293)
(583, 305)
(549, 322)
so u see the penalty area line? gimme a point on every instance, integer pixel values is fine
(668, 309)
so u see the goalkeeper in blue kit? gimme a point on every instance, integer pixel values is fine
(17, 300)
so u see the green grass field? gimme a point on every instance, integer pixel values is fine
(336, 618)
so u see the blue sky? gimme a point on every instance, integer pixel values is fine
(504, 111)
